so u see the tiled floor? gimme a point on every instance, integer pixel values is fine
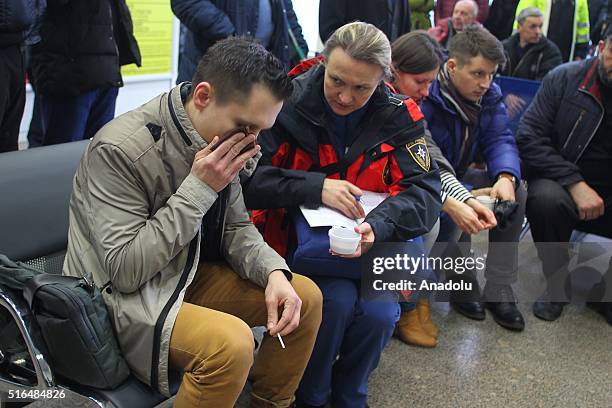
(567, 363)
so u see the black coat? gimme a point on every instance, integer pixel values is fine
(15, 18)
(598, 15)
(78, 51)
(537, 61)
(501, 18)
(204, 22)
(336, 13)
(561, 121)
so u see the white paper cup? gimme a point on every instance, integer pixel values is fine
(487, 201)
(343, 241)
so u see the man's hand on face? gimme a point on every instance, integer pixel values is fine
(503, 189)
(280, 295)
(342, 196)
(219, 162)
(588, 203)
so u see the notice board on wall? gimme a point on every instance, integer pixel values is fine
(153, 24)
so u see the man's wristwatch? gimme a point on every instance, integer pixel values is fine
(507, 176)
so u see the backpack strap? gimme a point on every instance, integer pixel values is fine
(37, 282)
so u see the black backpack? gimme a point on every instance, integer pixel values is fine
(74, 323)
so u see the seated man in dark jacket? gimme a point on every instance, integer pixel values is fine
(342, 110)
(565, 144)
(529, 54)
(466, 116)
(204, 22)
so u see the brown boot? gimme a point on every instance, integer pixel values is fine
(410, 330)
(425, 318)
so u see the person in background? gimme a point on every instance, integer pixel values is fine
(501, 18)
(467, 119)
(566, 23)
(464, 15)
(566, 148)
(598, 16)
(342, 108)
(529, 54)
(36, 134)
(392, 17)
(204, 22)
(76, 67)
(15, 19)
(419, 14)
(444, 9)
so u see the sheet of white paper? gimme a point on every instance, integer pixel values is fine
(327, 217)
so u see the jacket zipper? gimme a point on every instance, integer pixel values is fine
(531, 51)
(159, 325)
(224, 218)
(571, 134)
(76, 301)
(596, 127)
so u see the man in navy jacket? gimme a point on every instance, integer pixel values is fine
(204, 22)
(565, 144)
(468, 120)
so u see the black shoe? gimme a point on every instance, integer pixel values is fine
(473, 310)
(468, 302)
(603, 308)
(549, 311)
(502, 305)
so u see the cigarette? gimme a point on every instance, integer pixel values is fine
(281, 340)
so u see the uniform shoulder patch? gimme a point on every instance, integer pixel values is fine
(419, 153)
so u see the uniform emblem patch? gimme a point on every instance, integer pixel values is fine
(420, 154)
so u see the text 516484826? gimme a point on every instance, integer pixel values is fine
(34, 394)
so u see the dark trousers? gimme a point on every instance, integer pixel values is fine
(351, 338)
(553, 216)
(72, 118)
(502, 254)
(36, 131)
(12, 96)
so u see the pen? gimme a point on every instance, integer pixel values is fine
(358, 220)
(281, 340)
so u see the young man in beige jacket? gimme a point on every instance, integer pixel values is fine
(157, 217)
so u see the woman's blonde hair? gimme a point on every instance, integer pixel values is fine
(363, 42)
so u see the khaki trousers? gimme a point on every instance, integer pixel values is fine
(213, 345)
